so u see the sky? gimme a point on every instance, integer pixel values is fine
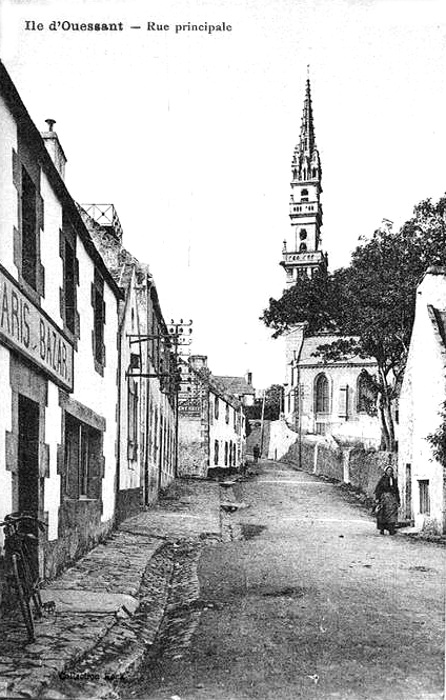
(190, 135)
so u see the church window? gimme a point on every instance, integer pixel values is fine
(304, 193)
(294, 174)
(303, 248)
(314, 172)
(366, 396)
(321, 394)
(302, 234)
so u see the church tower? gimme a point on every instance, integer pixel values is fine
(305, 255)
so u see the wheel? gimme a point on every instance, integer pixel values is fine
(32, 579)
(24, 595)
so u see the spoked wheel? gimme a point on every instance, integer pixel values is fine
(24, 594)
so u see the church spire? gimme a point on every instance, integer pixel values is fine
(305, 255)
(306, 162)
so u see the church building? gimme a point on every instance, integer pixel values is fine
(323, 398)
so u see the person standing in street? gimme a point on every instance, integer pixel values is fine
(387, 502)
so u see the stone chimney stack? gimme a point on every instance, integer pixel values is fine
(249, 378)
(54, 148)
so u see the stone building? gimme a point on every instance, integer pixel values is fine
(58, 347)
(320, 397)
(211, 422)
(423, 393)
(328, 398)
(240, 387)
(146, 453)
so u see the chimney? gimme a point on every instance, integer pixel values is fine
(249, 377)
(54, 148)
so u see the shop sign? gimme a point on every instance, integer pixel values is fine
(28, 330)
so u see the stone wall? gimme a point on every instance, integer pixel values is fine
(366, 467)
(350, 464)
(193, 451)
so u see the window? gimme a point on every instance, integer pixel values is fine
(302, 234)
(304, 193)
(132, 420)
(425, 504)
(303, 248)
(83, 459)
(366, 396)
(216, 451)
(321, 391)
(314, 172)
(321, 428)
(227, 414)
(226, 454)
(29, 230)
(216, 408)
(98, 321)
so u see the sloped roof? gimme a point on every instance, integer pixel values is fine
(310, 345)
(438, 319)
(238, 386)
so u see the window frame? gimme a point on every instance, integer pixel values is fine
(322, 395)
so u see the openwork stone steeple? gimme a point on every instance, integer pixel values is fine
(305, 256)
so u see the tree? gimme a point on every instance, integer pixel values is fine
(273, 404)
(438, 439)
(371, 303)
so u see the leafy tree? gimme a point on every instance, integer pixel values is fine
(370, 303)
(438, 439)
(273, 404)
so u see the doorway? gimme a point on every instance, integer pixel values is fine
(28, 456)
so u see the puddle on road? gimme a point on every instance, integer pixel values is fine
(249, 530)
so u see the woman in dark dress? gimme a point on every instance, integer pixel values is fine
(388, 501)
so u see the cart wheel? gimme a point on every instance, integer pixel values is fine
(22, 590)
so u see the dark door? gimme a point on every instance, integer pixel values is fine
(28, 469)
(28, 456)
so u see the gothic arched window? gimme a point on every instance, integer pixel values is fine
(321, 394)
(302, 234)
(304, 193)
(303, 248)
(365, 394)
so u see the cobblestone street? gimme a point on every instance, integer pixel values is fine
(291, 595)
(94, 634)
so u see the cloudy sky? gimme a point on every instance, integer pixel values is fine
(190, 135)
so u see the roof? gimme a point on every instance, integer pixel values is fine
(438, 319)
(238, 386)
(215, 385)
(308, 354)
(20, 113)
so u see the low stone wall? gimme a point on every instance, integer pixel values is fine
(366, 467)
(330, 461)
(346, 463)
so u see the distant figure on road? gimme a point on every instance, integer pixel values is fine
(256, 453)
(388, 500)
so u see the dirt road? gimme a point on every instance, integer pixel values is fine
(306, 600)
